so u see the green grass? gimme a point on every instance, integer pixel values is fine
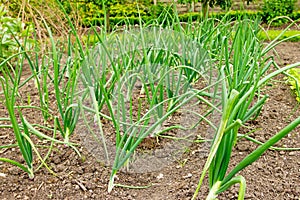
(294, 81)
(289, 35)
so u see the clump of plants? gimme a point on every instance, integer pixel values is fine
(23, 50)
(289, 35)
(294, 81)
(241, 82)
(238, 66)
(276, 8)
(12, 32)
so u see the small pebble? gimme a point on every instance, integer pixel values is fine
(189, 175)
(292, 153)
(160, 176)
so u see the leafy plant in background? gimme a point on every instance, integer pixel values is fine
(224, 4)
(127, 10)
(12, 29)
(294, 81)
(275, 8)
(105, 5)
(289, 35)
(120, 10)
(92, 11)
(32, 11)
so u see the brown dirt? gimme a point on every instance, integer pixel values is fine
(276, 175)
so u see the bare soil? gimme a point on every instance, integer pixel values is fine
(276, 175)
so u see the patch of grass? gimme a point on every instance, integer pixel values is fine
(290, 35)
(294, 81)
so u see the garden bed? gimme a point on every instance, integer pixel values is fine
(274, 176)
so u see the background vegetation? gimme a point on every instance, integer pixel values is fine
(92, 12)
(77, 70)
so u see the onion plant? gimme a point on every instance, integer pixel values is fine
(63, 79)
(10, 89)
(10, 82)
(39, 73)
(150, 78)
(244, 69)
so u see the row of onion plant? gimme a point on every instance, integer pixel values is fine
(48, 71)
(147, 57)
(244, 67)
(152, 73)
